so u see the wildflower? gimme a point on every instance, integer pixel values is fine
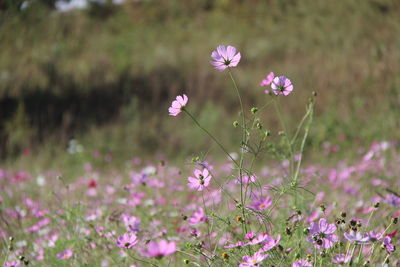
(198, 217)
(253, 260)
(225, 57)
(261, 203)
(177, 105)
(159, 249)
(281, 86)
(260, 238)
(12, 264)
(341, 259)
(301, 263)
(267, 80)
(321, 234)
(132, 223)
(393, 200)
(269, 243)
(373, 237)
(356, 237)
(387, 244)
(67, 254)
(127, 240)
(200, 181)
(249, 236)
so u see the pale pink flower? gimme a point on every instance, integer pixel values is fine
(301, 263)
(159, 249)
(281, 86)
(200, 180)
(225, 57)
(177, 105)
(65, 255)
(127, 240)
(253, 260)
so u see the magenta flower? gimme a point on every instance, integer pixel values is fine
(253, 260)
(67, 254)
(127, 240)
(321, 234)
(159, 249)
(225, 57)
(268, 80)
(281, 86)
(373, 236)
(200, 180)
(246, 179)
(341, 259)
(301, 263)
(258, 239)
(178, 105)
(261, 203)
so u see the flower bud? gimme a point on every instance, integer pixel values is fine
(235, 124)
(395, 220)
(343, 214)
(376, 204)
(254, 110)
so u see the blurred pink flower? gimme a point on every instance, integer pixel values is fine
(12, 264)
(281, 86)
(341, 259)
(200, 181)
(268, 79)
(261, 203)
(177, 105)
(127, 240)
(65, 255)
(301, 263)
(159, 249)
(225, 57)
(198, 217)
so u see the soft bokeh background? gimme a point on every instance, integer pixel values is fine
(104, 73)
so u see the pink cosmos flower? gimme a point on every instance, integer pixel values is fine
(341, 259)
(198, 217)
(281, 86)
(387, 244)
(269, 243)
(12, 264)
(200, 181)
(159, 249)
(357, 237)
(261, 203)
(67, 254)
(225, 57)
(246, 179)
(301, 263)
(178, 105)
(253, 260)
(268, 79)
(321, 234)
(127, 240)
(237, 244)
(132, 223)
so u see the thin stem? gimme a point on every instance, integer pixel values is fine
(212, 137)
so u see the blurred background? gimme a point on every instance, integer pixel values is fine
(96, 77)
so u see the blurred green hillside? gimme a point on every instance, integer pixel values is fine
(107, 74)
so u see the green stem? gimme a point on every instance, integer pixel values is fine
(211, 136)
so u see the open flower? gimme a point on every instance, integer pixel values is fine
(65, 255)
(253, 260)
(301, 263)
(127, 240)
(200, 180)
(159, 249)
(261, 203)
(341, 259)
(281, 86)
(225, 57)
(357, 237)
(178, 105)
(321, 234)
